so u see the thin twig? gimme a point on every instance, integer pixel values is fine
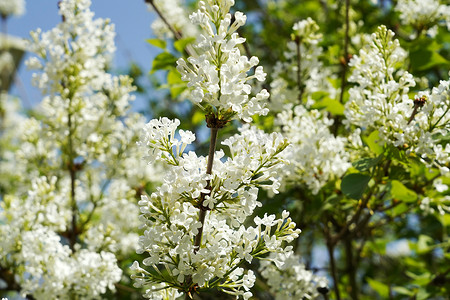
(344, 62)
(177, 35)
(203, 210)
(351, 267)
(354, 219)
(300, 84)
(330, 248)
(72, 172)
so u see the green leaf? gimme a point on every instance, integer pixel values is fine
(423, 244)
(372, 142)
(422, 294)
(445, 220)
(402, 291)
(177, 86)
(331, 105)
(400, 209)
(364, 164)
(353, 185)
(393, 152)
(181, 44)
(424, 59)
(381, 288)
(198, 117)
(421, 280)
(400, 192)
(163, 61)
(157, 43)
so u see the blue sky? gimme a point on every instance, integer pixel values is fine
(131, 18)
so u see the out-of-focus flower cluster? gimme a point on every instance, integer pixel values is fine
(316, 156)
(291, 280)
(424, 14)
(437, 200)
(12, 8)
(218, 76)
(70, 179)
(302, 73)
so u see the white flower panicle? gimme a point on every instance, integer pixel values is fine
(51, 270)
(218, 77)
(313, 75)
(159, 135)
(82, 142)
(291, 280)
(75, 53)
(423, 14)
(382, 87)
(380, 101)
(12, 8)
(316, 156)
(307, 31)
(170, 215)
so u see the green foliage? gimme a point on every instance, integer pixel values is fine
(381, 288)
(158, 43)
(181, 44)
(399, 192)
(353, 185)
(163, 61)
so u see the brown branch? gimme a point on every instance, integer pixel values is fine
(214, 127)
(301, 86)
(346, 58)
(354, 219)
(330, 248)
(72, 172)
(344, 64)
(177, 35)
(351, 268)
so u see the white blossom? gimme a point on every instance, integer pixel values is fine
(170, 215)
(380, 101)
(314, 76)
(290, 279)
(12, 7)
(316, 156)
(218, 76)
(67, 167)
(423, 14)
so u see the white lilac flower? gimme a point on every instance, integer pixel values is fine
(313, 75)
(159, 136)
(50, 268)
(84, 127)
(307, 31)
(218, 76)
(316, 155)
(170, 215)
(433, 205)
(12, 126)
(423, 14)
(12, 8)
(291, 280)
(380, 101)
